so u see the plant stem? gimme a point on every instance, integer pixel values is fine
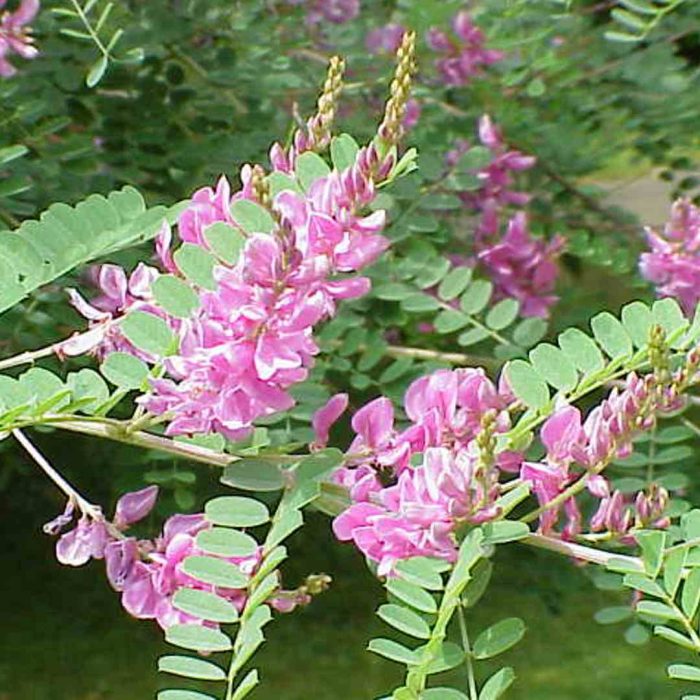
(578, 551)
(455, 358)
(473, 692)
(30, 356)
(88, 26)
(83, 504)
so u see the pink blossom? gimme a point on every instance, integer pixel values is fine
(326, 416)
(15, 35)
(386, 39)
(463, 57)
(673, 263)
(334, 11)
(523, 267)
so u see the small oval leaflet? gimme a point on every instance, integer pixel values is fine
(499, 637)
(217, 572)
(205, 605)
(226, 543)
(190, 667)
(197, 638)
(412, 595)
(236, 511)
(404, 620)
(182, 695)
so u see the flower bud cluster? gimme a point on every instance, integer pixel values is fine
(15, 34)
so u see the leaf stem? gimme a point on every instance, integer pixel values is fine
(473, 693)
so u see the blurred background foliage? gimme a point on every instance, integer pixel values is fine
(217, 83)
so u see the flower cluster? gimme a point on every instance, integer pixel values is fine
(673, 263)
(403, 509)
(333, 11)
(15, 34)
(465, 56)
(251, 338)
(519, 265)
(385, 39)
(605, 435)
(148, 573)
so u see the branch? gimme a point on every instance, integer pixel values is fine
(578, 551)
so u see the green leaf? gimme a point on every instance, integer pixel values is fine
(175, 296)
(96, 71)
(225, 241)
(473, 336)
(476, 587)
(204, 605)
(690, 597)
(287, 522)
(673, 569)
(392, 650)
(217, 572)
(252, 217)
(668, 314)
(251, 474)
(393, 291)
(503, 314)
(690, 524)
(629, 20)
(190, 667)
(637, 320)
(622, 37)
(148, 332)
(420, 572)
(499, 638)
(497, 684)
(637, 634)
(412, 595)
(450, 320)
(124, 370)
(197, 638)
(344, 150)
(675, 637)
(527, 384)
(652, 544)
(10, 153)
(432, 272)
(182, 695)
(476, 297)
(245, 687)
(85, 385)
(554, 367)
(309, 167)
(654, 608)
(223, 542)
(502, 531)
(475, 158)
(279, 182)
(449, 655)
(196, 264)
(420, 303)
(440, 201)
(684, 672)
(612, 615)
(235, 511)
(404, 620)
(643, 584)
(611, 335)
(455, 282)
(529, 332)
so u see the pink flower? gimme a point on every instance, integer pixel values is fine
(386, 39)
(326, 416)
(334, 11)
(523, 267)
(15, 35)
(464, 58)
(673, 263)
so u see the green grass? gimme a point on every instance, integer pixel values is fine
(64, 636)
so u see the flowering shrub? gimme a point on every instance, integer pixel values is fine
(340, 276)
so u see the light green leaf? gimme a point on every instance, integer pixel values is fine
(245, 687)
(224, 542)
(96, 71)
(412, 595)
(611, 335)
(654, 608)
(420, 572)
(684, 672)
(197, 638)
(235, 511)
(393, 651)
(612, 615)
(497, 684)
(420, 303)
(124, 371)
(443, 694)
(690, 597)
(175, 296)
(652, 543)
(196, 264)
(252, 474)
(225, 241)
(675, 637)
(182, 695)
(310, 167)
(503, 314)
(476, 297)
(554, 366)
(450, 320)
(190, 667)
(204, 605)
(527, 384)
(499, 638)
(637, 320)
(87, 384)
(404, 620)
(472, 336)
(529, 332)
(252, 217)
(216, 572)
(148, 332)
(344, 150)
(455, 282)
(502, 531)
